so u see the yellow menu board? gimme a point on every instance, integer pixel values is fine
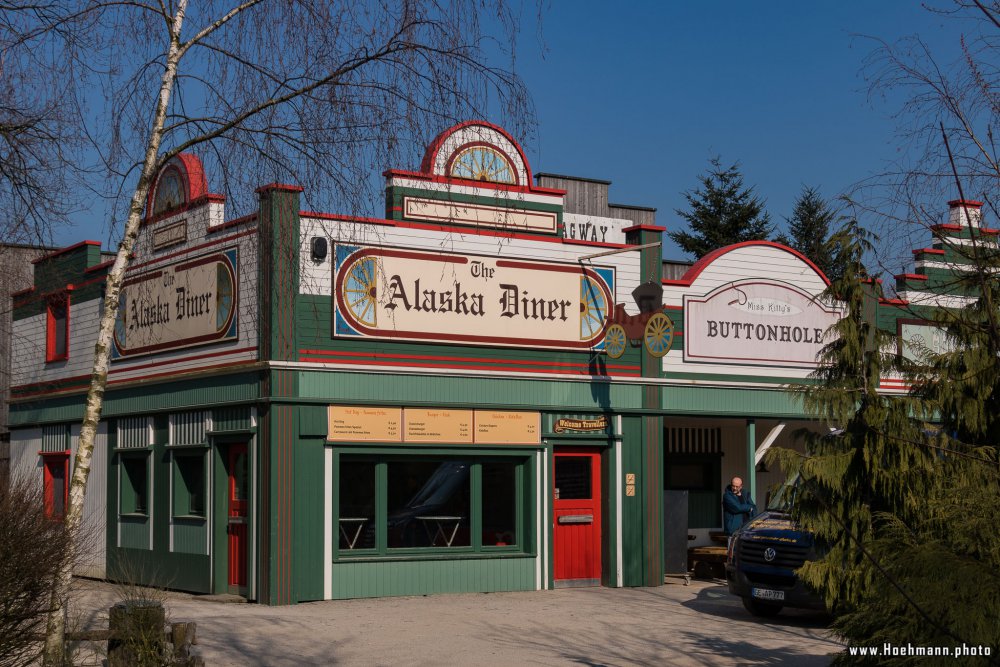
(508, 428)
(437, 425)
(364, 423)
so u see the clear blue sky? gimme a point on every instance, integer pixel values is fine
(643, 93)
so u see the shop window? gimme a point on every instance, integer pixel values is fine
(56, 484)
(395, 503)
(135, 484)
(499, 503)
(429, 504)
(57, 328)
(189, 484)
(357, 505)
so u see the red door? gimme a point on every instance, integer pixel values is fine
(237, 517)
(577, 510)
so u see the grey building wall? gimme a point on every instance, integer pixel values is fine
(589, 196)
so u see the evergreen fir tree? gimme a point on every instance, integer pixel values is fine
(810, 231)
(903, 499)
(722, 211)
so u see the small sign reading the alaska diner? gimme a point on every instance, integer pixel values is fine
(758, 322)
(191, 302)
(469, 299)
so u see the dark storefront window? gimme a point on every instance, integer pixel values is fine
(434, 504)
(135, 484)
(189, 488)
(499, 503)
(357, 504)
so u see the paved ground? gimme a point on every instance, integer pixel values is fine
(700, 624)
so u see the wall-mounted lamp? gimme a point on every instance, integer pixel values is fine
(319, 248)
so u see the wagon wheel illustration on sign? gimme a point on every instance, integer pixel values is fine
(614, 341)
(658, 335)
(593, 308)
(360, 292)
(482, 163)
(223, 296)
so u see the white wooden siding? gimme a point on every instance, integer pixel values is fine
(91, 558)
(28, 349)
(754, 261)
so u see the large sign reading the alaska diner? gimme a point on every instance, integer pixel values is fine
(760, 322)
(192, 302)
(469, 299)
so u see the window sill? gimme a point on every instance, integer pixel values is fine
(189, 517)
(138, 450)
(133, 515)
(193, 445)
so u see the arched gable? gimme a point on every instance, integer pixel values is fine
(181, 181)
(479, 151)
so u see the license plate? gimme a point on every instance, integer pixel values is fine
(767, 594)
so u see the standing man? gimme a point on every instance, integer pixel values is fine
(737, 506)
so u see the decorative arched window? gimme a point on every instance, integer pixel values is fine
(169, 191)
(483, 163)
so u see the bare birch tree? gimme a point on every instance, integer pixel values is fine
(316, 92)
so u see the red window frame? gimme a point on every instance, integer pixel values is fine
(52, 460)
(59, 300)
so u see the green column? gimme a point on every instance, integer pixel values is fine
(750, 483)
(650, 475)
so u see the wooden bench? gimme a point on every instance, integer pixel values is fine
(707, 562)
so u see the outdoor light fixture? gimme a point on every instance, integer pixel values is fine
(318, 248)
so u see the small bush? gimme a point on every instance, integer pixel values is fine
(32, 548)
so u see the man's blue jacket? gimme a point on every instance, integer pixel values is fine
(736, 509)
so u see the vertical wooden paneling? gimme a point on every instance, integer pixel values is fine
(92, 548)
(386, 578)
(189, 428)
(189, 536)
(134, 532)
(55, 438)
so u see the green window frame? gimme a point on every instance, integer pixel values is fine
(189, 484)
(361, 526)
(134, 480)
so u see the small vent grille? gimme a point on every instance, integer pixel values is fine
(134, 432)
(55, 438)
(188, 428)
(694, 440)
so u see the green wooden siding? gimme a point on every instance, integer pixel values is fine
(190, 536)
(134, 532)
(309, 510)
(190, 394)
(231, 418)
(389, 388)
(731, 402)
(425, 577)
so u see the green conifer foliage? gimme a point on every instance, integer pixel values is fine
(904, 499)
(722, 211)
(810, 231)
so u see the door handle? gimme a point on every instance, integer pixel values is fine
(237, 520)
(576, 518)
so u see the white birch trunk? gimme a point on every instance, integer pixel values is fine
(54, 652)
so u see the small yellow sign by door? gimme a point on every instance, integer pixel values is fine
(437, 425)
(508, 428)
(364, 424)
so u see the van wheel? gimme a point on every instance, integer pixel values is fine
(762, 609)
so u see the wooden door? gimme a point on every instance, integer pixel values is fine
(577, 517)
(239, 486)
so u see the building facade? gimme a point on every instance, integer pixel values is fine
(490, 388)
